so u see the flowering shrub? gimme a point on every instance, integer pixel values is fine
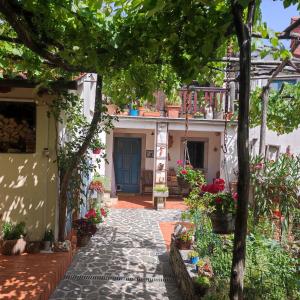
(97, 215)
(190, 175)
(96, 185)
(217, 199)
(84, 227)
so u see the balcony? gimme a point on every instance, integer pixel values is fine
(209, 103)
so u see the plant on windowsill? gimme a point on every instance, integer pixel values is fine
(13, 238)
(151, 113)
(134, 109)
(221, 206)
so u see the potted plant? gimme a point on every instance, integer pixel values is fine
(184, 240)
(96, 185)
(48, 240)
(85, 229)
(187, 177)
(13, 238)
(151, 113)
(160, 191)
(204, 268)
(141, 108)
(199, 115)
(173, 104)
(133, 110)
(201, 285)
(193, 257)
(97, 147)
(218, 108)
(221, 205)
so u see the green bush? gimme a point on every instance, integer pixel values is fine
(13, 232)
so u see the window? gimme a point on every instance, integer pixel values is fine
(196, 153)
(277, 84)
(272, 152)
(17, 127)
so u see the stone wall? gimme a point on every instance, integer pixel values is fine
(184, 272)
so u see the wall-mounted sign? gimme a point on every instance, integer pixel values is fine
(149, 153)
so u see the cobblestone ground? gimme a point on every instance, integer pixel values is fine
(126, 259)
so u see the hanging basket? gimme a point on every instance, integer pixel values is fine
(183, 184)
(222, 223)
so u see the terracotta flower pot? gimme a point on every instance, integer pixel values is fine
(141, 111)
(151, 114)
(13, 247)
(97, 150)
(183, 245)
(222, 223)
(173, 111)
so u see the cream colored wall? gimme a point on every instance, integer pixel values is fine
(28, 182)
(213, 150)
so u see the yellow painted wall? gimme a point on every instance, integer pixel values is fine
(28, 182)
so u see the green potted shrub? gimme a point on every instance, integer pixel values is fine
(13, 238)
(173, 104)
(199, 115)
(48, 240)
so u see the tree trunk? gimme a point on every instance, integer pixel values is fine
(76, 159)
(243, 32)
(263, 126)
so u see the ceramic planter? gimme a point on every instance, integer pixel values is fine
(160, 194)
(151, 114)
(141, 111)
(133, 112)
(173, 111)
(13, 247)
(218, 115)
(97, 150)
(33, 247)
(183, 245)
(46, 245)
(194, 260)
(222, 223)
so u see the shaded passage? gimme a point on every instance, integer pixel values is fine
(126, 259)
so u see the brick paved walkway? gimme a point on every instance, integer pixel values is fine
(126, 259)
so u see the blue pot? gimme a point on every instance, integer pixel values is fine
(133, 112)
(194, 260)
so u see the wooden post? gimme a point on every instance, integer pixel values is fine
(263, 126)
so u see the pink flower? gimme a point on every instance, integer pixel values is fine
(183, 172)
(179, 162)
(259, 166)
(235, 196)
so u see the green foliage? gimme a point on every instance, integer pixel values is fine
(283, 107)
(13, 232)
(203, 281)
(194, 177)
(276, 185)
(160, 188)
(68, 110)
(49, 236)
(193, 254)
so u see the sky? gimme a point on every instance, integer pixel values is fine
(274, 14)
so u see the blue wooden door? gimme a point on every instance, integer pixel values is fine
(127, 162)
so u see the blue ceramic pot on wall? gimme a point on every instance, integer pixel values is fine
(194, 260)
(133, 112)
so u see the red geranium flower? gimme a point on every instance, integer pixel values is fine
(277, 214)
(179, 162)
(235, 196)
(219, 181)
(183, 172)
(218, 200)
(103, 212)
(91, 214)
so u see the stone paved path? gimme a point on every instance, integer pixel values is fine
(126, 259)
